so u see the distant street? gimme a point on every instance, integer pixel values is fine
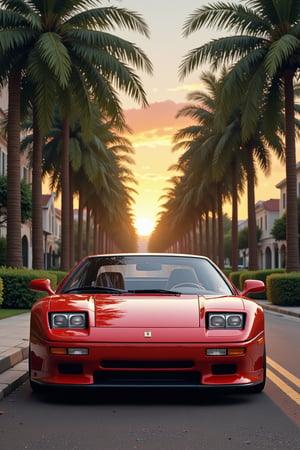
(170, 420)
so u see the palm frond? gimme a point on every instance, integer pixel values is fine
(110, 18)
(226, 16)
(280, 52)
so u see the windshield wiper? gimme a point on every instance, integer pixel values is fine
(153, 291)
(92, 289)
(104, 289)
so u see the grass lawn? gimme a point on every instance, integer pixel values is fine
(11, 312)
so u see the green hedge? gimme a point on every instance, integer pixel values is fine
(281, 288)
(59, 275)
(238, 279)
(226, 271)
(284, 289)
(1, 292)
(16, 292)
(234, 277)
(258, 275)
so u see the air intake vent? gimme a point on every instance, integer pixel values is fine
(70, 369)
(223, 369)
(146, 378)
(115, 364)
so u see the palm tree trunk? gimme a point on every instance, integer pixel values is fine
(201, 239)
(194, 239)
(207, 234)
(234, 219)
(102, 243)
(38, 260)
(14, 243)
(214, 232)
(292, 243)
(80, 226)
(65, 196)
(96, 235)
(252, 236)
(71, 211)
(189, 242)
(88, 229)
(220, 228)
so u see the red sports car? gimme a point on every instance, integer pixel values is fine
(149, 320)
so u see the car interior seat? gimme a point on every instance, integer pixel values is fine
(111, 279)
(178, 276)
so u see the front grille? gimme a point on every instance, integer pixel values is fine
(146, 378)
(124, 364)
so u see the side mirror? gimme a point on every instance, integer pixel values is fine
(251, 286)
(41, 285)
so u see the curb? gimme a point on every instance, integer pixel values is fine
(12, 357)
(13, 369)
(281, 310)
(13, 377)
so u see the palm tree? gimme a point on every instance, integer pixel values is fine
(97, 163)
(14, 248)
(213, 151)
(265, 58)
(217, 151)
(66, 51)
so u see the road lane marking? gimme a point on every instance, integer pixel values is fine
(284, 387)
(288, 375)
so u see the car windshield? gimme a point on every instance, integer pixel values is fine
(175, 274)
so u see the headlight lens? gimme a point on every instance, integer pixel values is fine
(68, 320)
(225, 320)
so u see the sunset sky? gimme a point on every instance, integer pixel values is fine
(154, 127)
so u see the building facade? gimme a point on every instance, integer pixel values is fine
(271, 253)
(269, 250)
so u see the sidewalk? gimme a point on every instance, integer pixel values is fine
(14, 346)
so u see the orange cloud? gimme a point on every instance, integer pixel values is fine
(157, 116)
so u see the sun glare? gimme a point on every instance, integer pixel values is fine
(144, 226)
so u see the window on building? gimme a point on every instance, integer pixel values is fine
(266, 222)
(283, 200)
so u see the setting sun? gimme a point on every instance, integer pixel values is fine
(144, 226)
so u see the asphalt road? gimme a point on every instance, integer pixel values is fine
(166, 420)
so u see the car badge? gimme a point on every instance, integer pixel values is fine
(147, 334)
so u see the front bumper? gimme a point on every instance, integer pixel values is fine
(147, 365)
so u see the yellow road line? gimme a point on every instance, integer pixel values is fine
(288, 375)
(284, 387)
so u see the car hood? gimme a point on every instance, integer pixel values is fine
(160, 312)
(145, 311)
(133, 313)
